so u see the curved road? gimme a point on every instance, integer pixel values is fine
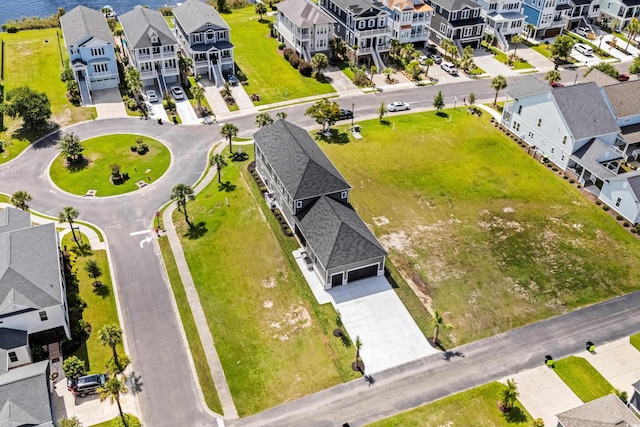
(170, 394)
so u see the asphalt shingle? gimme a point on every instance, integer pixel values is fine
(304, 13)
(624, 98)
(82, 22)
(13, 338)
(140, 23)
(194, 15)
(24, 396)
(526, 86)
(608, 411)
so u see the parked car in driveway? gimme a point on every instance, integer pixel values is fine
(398, 106)
(345, 114)
(583, 49)
(151, 96)
(177, 92)
(437, 58)
(86, 385)
(232, 79)
(449, 68)
(583, 31)
(623, 77)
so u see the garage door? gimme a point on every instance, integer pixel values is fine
(104, 84)
(336, 280)
(363, 272)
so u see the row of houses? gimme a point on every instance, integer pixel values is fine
(589, 130)
(150, 45)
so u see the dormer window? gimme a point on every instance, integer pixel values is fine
(153, 36)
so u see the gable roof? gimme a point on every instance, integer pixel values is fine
(624, 98)
(591, 156)
(584, 110)
(303, 168)
(304, 13)
(24, 396)
(337, 234)
(12, 338)
(359, 7)
(194, 14)
(599, 78)
(526, 86)
(140, 23)
(415, 5)
(608, 411)
(633, 179)
(453, 5)
(82, 22)
(30, 268)
(14, 219)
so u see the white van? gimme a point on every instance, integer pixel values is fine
(449, 68)
(584, 49)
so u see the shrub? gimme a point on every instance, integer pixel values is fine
(572, 180)
(619, 217)
(9, 28)
(626, 224)
(555, 169)
(305, 68)
(241, 76)
(73, 367)
(281, 46)
(549, 165)
(565, 177)
(606, 208)
(634, 231)
(598, 202)
(133, 148)
(132, 421)
(142, 149)
(288, 53)
(123, 361)
(294, 60)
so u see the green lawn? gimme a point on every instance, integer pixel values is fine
(543, 49)
(257, 55)
(5, 198)
(475, 407)
(32, 58)
(490, 237)
(101, 307)
(195, 345)
(274, 341)
(582, 378)
(103, 151)
(635, 341)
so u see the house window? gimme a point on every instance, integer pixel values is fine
(443, 28)
(618, 202)
(466, 32)
(516, 126)
(154, 39)
(100, 68)
(464, 14)
(298, 204)
(156, 50)
(13, 357)
(531, 135)
(74, 51)
(43, 316)
(361, 25)
(343, 195)
(564, 140)
(97, 51)
(539, 122)
(519, 109)
(197, 38)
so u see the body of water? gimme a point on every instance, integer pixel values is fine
(15, 9)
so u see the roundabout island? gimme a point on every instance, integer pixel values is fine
(109, 165)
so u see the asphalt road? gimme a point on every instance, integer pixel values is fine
(170, 394)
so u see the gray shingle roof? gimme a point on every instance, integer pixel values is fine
(193, 15)
(140, 23)
(585, 111)
(300, 164)
(624, 98)
(359, 7)
(599, 78)
(526, 86)
(13, 338)
(14, 219)
(304, 13)
(81, 22)
(453, 5)
(608, 411)
(591, 154)
(337, 234)
(30, 268)
(24, 396)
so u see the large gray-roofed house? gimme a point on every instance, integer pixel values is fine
(81, 24)
(313, 197)
(194, 15)
(304, 27)
(585, 111)
(140, 22)
(526, 86)
(304, 13)
(607, 411)
(25, 396)
(624, 99)
(14, 219)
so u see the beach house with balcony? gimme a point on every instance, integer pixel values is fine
(151, 46)
(544, 16)
(91, 50)
(363, 25)
(409, 20)
(205, 38)
(504, 18)
(460, 21)
(619, 13)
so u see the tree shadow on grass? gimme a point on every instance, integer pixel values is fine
(82, 249)
(227, 187)
(78, 165)
(333, 136)
(442, 114)
(196, 231)
(516, 416)
(102, 290)
(33, 134)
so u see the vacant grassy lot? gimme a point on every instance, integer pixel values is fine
(582, 378)
(101, 306)
(257, 56)
(274, 341)
(32, 58)
(475, 407)
(100, 153)
(486, 235)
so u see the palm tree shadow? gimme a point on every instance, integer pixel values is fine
(196, 231)
(227, 187)
(102, 290)
(82, 249)
(515, 416)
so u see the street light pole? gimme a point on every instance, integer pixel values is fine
(576, 79)
(352, 114)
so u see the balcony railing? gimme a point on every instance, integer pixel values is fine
(102, 75)
(374, 32)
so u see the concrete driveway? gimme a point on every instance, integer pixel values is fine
(185, 110)
(618, 362)
(108, 103)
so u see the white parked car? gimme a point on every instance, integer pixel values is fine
(398, 106)
(177, 92)
(151, 96)
(583, 31)
(583, 49)
(449, 68)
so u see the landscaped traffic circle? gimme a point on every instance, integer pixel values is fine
(111, 165)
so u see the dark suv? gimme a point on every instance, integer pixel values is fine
(346, 114)
(86, 385)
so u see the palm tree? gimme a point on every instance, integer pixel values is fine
(438, 322)
(387, 74)
(509, 395)
(111, 335)
(281, 115)
(498, 83)
(373, 70)
(69, 214)
(382, 110)
(229, 131)
(263, 119)
(112, 390)
(133, 80)
(93, 271)
(181, 194)
(516, 39)
(438, 101)
(428, 63)
(319, 62)
(198, 93)
(219, 162)
(261, 9)
(358, 345)
(633, 29)
(20, 198)
(553, 76)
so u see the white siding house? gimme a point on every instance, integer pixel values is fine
(304, 27)
(409, 20)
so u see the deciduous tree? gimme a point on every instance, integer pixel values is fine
(31, 106)
(325, 113)
(70, 146)
(562, 46)
(438, 101)
(73, 367)
(260, 9)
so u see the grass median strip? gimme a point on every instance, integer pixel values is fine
(582, 378)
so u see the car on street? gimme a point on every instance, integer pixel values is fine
(556, 84)
(177, 92)
(151, 96)
(398, 106)
(86, 385)
(437, 58)
(449, 68)
(346, 114)
(232, 79)
(583, 31)
(623, 77)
